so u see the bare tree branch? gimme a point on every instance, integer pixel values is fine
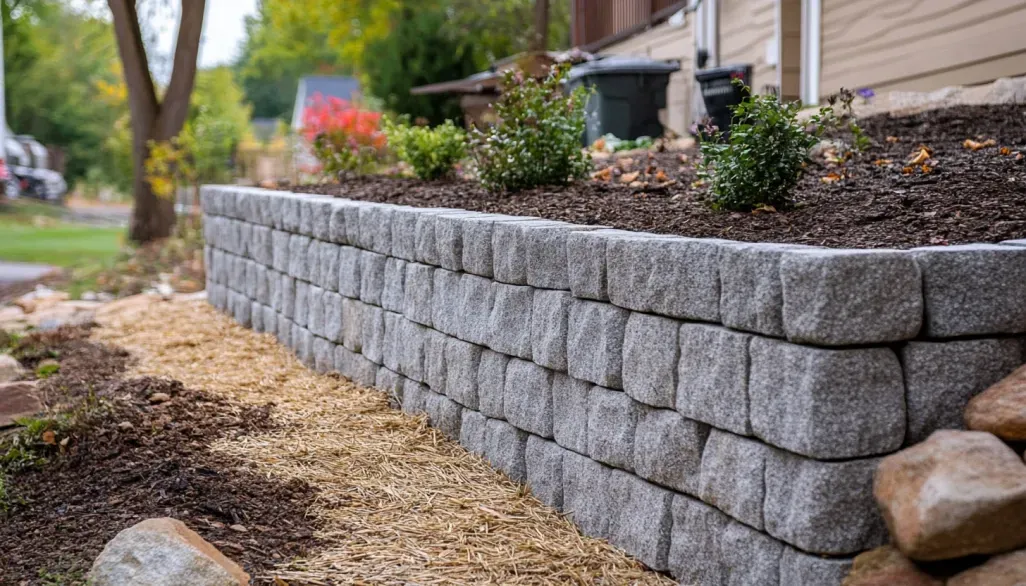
(142, 96)
(175, 106)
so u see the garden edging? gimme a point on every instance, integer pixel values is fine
(695, 401)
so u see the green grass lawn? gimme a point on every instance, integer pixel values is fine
(33, 232)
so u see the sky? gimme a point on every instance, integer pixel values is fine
(223, 30)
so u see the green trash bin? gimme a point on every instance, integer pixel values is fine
(628, 94)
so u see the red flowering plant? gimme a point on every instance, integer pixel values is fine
(345, 138)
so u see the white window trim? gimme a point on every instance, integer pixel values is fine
(812, 59)
(707, 30)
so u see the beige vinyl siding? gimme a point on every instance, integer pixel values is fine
(746, 29)
(666, 41)
(920, 45)
(790, 49)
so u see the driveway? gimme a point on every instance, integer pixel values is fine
(14, 272)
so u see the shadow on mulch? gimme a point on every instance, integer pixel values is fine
(120, 453)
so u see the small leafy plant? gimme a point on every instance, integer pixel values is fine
(537, 138)
(432, 152)
(345, 138)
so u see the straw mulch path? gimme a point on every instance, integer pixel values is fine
(397, 503)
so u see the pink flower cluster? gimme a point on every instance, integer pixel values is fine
(345, 124)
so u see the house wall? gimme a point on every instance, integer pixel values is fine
(747, 29)
(920, 45)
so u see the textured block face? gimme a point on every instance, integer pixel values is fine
(434, 361)
(290, 212)
(251, 278)
(328, 266)
(544, 461)
(315, 310)
(445, 302)
(332, 324)
(299, 257)
(337, 222)
(477, 297)
(586, 262)
(349, 271)
(415, 398)
(473, 432)
(509, 326)
(412, 341)
(822, 507)
(668, 449)
(424, 238)
(732, 476)
(550, 318)
(586, 494)
(444, 414)
(826, 403)
(973, 289)
(393, 293)
(462, 362)
(373, 330)
(375, 228)
(595, 342)
(941, 377)
(284, 332)
(505, 449)
(287, 291)
(751, 298)
(612, 419)
(270, 319)
(419, 286)
(355, 366)
(696, 542)
(651, 353)
(324, 355)
(390, 383)
(713, 376)
(449, 239)
(546, 255)
(352, 324)
(675, 277)
(751, 557)
(256, 317)
(491, 382)
(372, 277)
(391, 352)
(527, 400)
(641, 518)
(315, 217)
(570, 399)
(301, 305)
(404, 232)
(313, 252)
(802, 569)
(260, 245)
(839, 297)
(477, 243)
(509, 249)
(280, 242)
(304, 346)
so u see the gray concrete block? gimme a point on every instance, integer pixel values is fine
(328, 266)
(414, 397)
(324, 355)
(651, 352)
(509, 249)
(244, 232)
(675, 277)
(390, 383)
(270, 319)
(842, 297)
(391, 351)
(491, 383)
(586, 494)
(404, 232)
(595, 342)
(263, 284)
(331, 328)
(375, 228)
(640, 519)
(241, 309)
(476, 231)
(313, 273)
(509, 325)
(826, 403)
(315, 217)
(544, 461)
(941, 377)
(434, 361)
(550, 318)
(412, 346)
(274, 289)
(822, 507)
(354, 366)
(445, 302)
(462, 362)
(287, 291)
(393, 293)
(419, 287)
(425, 244)
(444, 414)
(473, 432)
(527, 398)
(289, 212)
(349, 263)
(973, 289)
(751, 297)
(477, 297)
(210, 199)
(301, 305)
(668, 449)
(304, 348)
(798, 568)
(280, 242)
(505, 449)
(546, 255)
(750, 557)
(448, 233)
(250, 278)
(315, 310)
(713, 377)
(337, 221)
(256, 317)
(612, 420)
(261, 247)
(372, 277)
(352, 324)
(586, 262)
(237, 273)
(732, 476)
(299, 257)
(570, 400)
(284, 332)
(373, 330)
(696, 540)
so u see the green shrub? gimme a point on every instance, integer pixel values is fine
(537, 137)
(432, 152)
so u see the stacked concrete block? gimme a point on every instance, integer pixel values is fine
(714, 408)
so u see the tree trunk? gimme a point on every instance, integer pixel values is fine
(152, 217)
(541, 25)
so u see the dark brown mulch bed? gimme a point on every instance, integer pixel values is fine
(970, 196)
(127, 458)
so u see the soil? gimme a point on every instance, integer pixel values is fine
(870, 201)
(126, 456)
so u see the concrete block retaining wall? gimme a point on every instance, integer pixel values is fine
(714, 408)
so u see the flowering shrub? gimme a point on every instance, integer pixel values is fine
(537, 138)
(432, 152)
(345, 139)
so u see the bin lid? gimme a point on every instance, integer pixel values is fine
(623, 64)
(724, 71)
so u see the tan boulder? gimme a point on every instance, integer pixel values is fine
(163, 552)
(17, 400)
(10, 369)
(956, 494)
(885, 566)
(1001, 409)
(1003, 570)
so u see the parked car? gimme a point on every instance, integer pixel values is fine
(28, 160)
(9, 187)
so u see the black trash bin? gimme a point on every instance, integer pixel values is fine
(719, 92)
(629, 92)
